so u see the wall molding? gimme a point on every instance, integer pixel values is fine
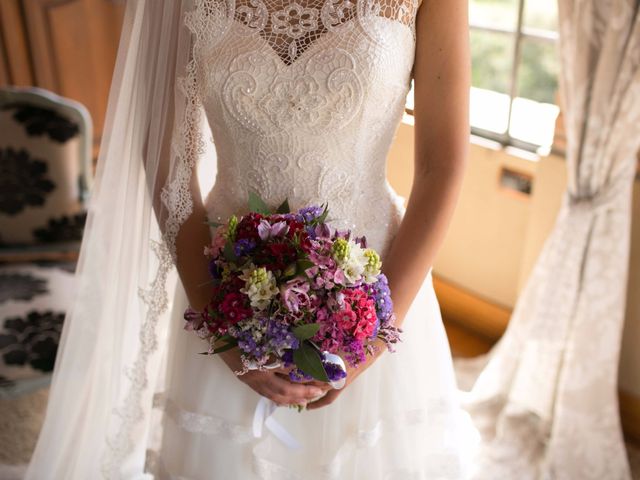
(464, 309)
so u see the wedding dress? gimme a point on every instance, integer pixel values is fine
(302, 98)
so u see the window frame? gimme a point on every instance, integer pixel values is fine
(519, 33)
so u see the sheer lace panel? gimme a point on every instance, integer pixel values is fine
(291, 27)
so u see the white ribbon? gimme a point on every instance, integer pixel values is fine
(262, 416)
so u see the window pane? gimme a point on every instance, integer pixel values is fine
(541, 14)
(491, 60)
(489, 110)
(533, 122)
(409, 102)
(494, 13)
(538, 74)
(491, 65)
(534, 111)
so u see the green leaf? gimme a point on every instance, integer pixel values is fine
(284, 207)
(290, 271)
(308, 360)
(229, 253)
(226, 338)
(304, 332)
(225, 347)
(323, 218)
(257, 205)
(303, 265)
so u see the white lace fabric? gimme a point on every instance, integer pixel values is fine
(303, 100)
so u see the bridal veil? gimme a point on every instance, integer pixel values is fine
(108, 365)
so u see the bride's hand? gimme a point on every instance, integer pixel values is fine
(275, 384)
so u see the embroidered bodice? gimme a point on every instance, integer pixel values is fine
(303, 99)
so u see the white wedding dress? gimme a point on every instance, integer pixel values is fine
(303, 100)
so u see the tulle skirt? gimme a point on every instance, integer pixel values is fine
(398, 420)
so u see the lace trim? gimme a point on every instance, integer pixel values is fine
(176, 197)
(203, 424)
(445, 464)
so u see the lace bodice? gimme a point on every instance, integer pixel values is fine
(303, 98)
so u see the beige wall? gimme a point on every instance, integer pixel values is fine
(496, 236)
(630, 360)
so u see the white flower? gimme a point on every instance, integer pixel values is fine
(373, 266)
(260, 286)
(351, 259)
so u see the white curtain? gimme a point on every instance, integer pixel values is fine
(546, 401)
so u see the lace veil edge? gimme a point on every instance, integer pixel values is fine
(109, 361)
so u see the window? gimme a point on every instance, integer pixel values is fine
(514, 71)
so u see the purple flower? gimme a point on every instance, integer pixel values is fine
(309, 214)
(280, 338)
(355, 353)
(267, 231)
(362, 241)
(214, 270)
(334, 371)
(382, 298)
(297, 375)
(322, 231)
(244, 246)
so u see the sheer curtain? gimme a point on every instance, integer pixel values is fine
(546, 401)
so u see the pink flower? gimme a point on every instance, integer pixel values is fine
(217, 243)
(363, 308)
(346, 318)
(294, 294)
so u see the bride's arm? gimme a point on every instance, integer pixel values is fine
(441, 76)
(441, 111)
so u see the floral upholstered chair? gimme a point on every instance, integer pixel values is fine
(45, 171)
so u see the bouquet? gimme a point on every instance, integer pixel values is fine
(288, 290)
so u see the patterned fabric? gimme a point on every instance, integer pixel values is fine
(33, 302)
(23, 181)
(547, 400)
(40, 187)
(39, 121)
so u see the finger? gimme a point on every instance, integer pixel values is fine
(282, 370)
(323, 385)
(328, 399)
(292, 390)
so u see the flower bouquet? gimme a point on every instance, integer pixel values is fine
(288, 290)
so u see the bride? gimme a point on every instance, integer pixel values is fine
(296, 99)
